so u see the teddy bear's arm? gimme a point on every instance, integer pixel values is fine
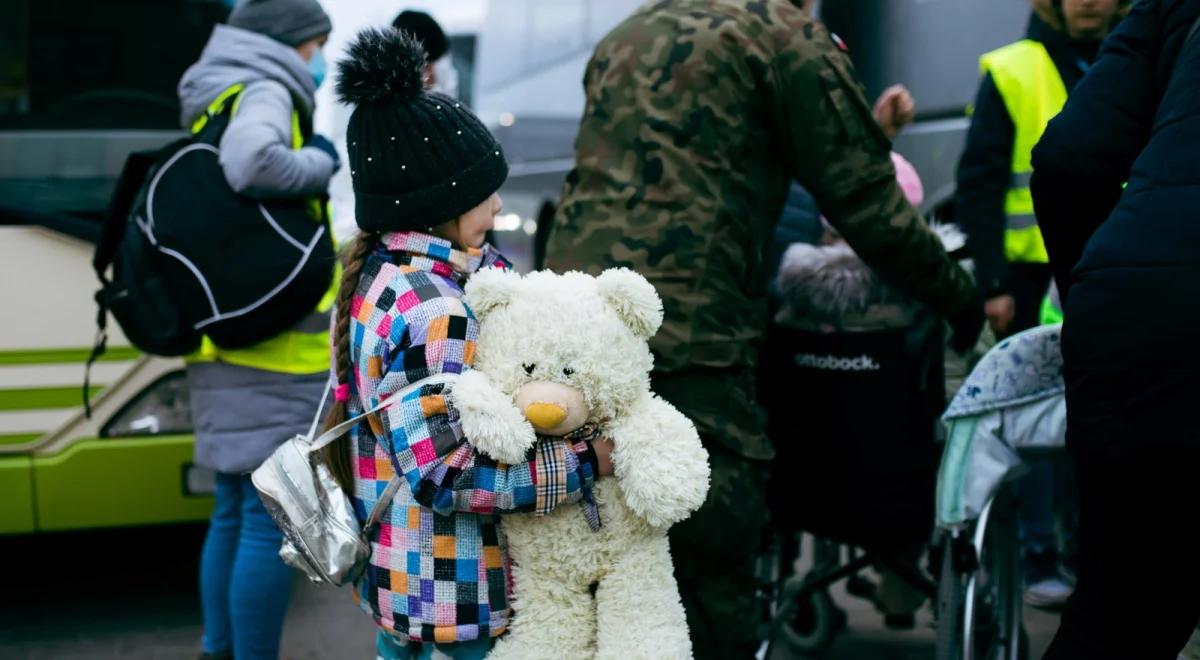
(490, 421)
(659, 462)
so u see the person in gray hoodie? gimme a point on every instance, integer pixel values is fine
(246, 402)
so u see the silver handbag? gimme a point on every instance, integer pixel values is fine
(321, 534)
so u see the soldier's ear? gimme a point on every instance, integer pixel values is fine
(634, 299)
(489, 290)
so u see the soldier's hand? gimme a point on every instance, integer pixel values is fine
(1000, 311)
(894, 110)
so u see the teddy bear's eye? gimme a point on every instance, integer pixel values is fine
(529, 368)
(568, 371)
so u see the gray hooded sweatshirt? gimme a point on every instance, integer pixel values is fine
(242, 414)
(256, 149)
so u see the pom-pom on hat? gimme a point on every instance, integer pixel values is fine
(417, 159)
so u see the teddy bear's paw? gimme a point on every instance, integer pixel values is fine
(661, 465)
(490, 421)
(665, 508)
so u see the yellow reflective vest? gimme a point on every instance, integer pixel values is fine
(1033, 92)
(305, 348)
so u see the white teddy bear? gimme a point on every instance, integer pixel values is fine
(559, 353)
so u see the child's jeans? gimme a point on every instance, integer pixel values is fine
(244, 585)
(388, 647)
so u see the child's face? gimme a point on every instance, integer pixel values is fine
(1089, 19)
(471, 228)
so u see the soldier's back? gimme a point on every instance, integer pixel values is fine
(680, 172)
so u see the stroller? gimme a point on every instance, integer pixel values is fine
(853, 384)
(1012, 403)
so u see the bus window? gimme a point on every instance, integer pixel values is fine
(87, 64)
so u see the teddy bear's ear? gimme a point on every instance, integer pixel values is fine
(489, 290)
(634, 299)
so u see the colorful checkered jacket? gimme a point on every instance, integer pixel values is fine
(438, 570)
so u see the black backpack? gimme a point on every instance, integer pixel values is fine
(190, 257)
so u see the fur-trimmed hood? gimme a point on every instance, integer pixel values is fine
(830, 289)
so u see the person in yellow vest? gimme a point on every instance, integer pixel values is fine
(265, 65)
(1024, 85)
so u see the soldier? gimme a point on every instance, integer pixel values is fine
(699, 114)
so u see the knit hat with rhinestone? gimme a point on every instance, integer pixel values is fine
(417, 159)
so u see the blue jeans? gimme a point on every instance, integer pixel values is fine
(244, 585)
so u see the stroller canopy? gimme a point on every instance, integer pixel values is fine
(1013, 400)
(1021, 369)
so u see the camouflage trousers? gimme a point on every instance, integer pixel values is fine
(714, 556)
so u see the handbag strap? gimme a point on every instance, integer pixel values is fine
(337, 431)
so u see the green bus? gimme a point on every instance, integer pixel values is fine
(82, 84)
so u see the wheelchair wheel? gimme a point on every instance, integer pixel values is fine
(951, 587)
(979, 599)
(812, 623)
(804, 621)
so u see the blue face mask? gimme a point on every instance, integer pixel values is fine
(316, 66)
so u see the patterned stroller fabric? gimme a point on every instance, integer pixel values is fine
(1013, 401)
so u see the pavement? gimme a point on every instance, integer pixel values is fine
(132, 594)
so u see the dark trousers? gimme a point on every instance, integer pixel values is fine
(1138, 595)
(714, 557)
(1029, 282)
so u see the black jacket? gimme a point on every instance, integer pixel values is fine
(985, 168)
(1127, 261)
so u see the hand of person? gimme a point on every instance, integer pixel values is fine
(603, 448)
(894, 110)
(965, 328)
(1000, 311)
(321, 142)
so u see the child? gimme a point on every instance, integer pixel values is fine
(425, 173)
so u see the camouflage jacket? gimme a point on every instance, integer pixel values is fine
(699, 113)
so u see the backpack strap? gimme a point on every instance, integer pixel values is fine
(385, 498)
(340, 430)
(226, 100)
(137, 168)
(389, 492)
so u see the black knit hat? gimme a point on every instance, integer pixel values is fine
(417, 159)
(426, 30)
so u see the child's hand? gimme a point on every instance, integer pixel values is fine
(603, 448)
(894, 110)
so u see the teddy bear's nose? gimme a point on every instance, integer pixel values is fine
(545, 416)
